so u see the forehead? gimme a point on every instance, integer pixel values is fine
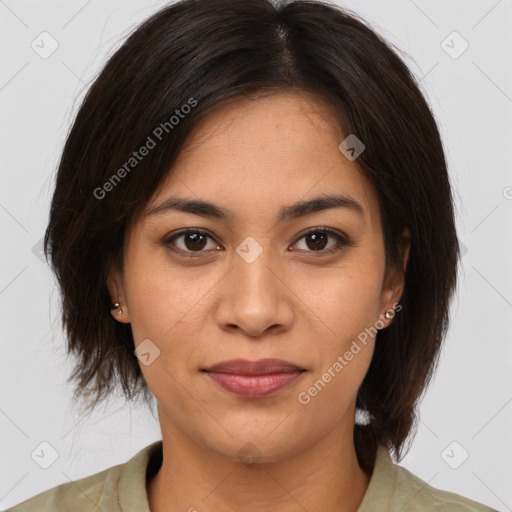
(258, 154)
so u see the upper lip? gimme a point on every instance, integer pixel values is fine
(259, 367)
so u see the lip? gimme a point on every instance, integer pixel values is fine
(254, 379)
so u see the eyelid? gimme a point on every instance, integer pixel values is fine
(167, 241)
(323, 229)
(342, 239)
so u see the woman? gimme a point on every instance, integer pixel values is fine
(253, 222)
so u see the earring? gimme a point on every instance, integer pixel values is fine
(363, 417)
(389, 315)
(116, 306)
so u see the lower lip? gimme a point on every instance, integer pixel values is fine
(254, 386)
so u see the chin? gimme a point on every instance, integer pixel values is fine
(256, 447)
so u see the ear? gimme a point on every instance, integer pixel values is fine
(116, 290)
(394, 280)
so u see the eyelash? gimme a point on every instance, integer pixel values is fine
(342, 240)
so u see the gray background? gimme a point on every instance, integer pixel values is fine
(470, 399)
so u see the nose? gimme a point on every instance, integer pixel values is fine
(254, 297)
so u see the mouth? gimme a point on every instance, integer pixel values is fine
(254, 379)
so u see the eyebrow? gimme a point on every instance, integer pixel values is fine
(300, 209)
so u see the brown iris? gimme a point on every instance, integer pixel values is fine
(319, 240)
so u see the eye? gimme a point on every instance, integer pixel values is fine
(194, 242)
(317, 241)
(189, 242)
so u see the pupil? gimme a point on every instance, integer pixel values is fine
(319, 241)
(198, 241)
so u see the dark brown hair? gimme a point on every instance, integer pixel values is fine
(205, 53)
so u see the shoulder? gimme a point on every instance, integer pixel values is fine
(393, 487)
(422, 496)
(118, 488)
(79, 495)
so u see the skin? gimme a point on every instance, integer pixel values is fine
(254, 156)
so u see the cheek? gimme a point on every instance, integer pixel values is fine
(343, 350)
(329, 394)
(163, 304)
(346, 299)
(160, 296)
(346, 308)
(169, 306)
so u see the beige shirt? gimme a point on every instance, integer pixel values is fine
(122, 488)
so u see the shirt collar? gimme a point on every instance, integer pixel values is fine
(382, 484)
(133, 490)
(133, 494)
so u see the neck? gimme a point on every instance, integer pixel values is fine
(325, 476)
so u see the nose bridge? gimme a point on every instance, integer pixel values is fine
(252, 265)
(253, 297)
(252, 269)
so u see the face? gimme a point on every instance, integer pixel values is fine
(256, 279)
